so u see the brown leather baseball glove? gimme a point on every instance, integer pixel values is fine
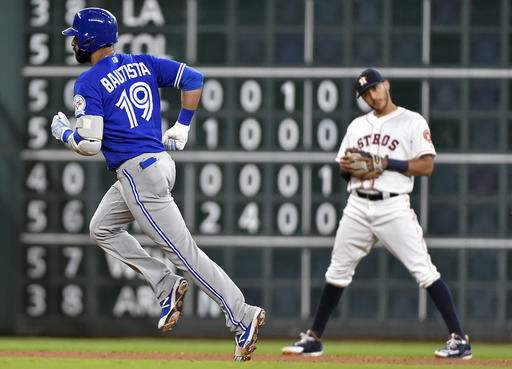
(364, 165)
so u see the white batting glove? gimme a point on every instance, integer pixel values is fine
(176, 137)
(60, 125)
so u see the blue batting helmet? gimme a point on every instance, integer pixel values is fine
(93, 28)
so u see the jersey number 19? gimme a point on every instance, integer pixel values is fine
(139, 95)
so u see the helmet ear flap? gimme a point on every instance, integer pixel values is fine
(87, 43)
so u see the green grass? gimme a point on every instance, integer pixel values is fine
(153, 364)
(374, 348)
(175, 345)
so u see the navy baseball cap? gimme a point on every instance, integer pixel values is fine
(368, 78)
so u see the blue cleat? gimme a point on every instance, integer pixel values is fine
(172, 306)
(245, 343)
(456, 348)
(308, 345)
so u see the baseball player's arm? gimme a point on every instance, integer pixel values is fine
(365, 165)
(345, 169)
(190, 99)
(191, 85)
(422, 166)
(85, 139)
(422, 149)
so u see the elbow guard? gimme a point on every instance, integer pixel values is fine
(85, 146)
(86, 140)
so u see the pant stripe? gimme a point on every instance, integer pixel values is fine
(177, 252)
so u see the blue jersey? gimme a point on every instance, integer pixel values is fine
(123, 89)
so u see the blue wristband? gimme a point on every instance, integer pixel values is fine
(400, 166)
(185, 116)
(77, 137)
(66, 134)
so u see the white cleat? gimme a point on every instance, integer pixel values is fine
(172, 306)
(307, 345)
(245, 343)
(456, 348)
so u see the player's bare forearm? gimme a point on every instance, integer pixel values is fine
(190, 99)
(422, 166)
(175, 138)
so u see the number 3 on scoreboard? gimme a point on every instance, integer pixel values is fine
(139, 95)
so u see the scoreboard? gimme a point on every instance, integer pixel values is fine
(258, 170)
(257, 183)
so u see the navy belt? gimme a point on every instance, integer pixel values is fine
(375, 196)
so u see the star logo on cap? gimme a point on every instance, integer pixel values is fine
(362, 81)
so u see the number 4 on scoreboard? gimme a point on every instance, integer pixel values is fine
(249, 219)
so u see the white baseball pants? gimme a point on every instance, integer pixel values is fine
(394, 223)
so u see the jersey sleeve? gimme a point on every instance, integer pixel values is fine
(169, 73)
(86, 99)
(421, 143)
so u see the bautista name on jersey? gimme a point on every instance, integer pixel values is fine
(401, 135)
(122, 74)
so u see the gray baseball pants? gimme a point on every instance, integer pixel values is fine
(143, 193)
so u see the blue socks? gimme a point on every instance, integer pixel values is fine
(442, 297)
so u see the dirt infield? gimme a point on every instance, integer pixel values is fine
(263, 357)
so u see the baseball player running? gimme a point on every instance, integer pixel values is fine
(117, 106)
(379, 156)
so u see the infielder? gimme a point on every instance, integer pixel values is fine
(117, 106)
(379, 156)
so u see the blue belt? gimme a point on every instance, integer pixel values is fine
(147, 162)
